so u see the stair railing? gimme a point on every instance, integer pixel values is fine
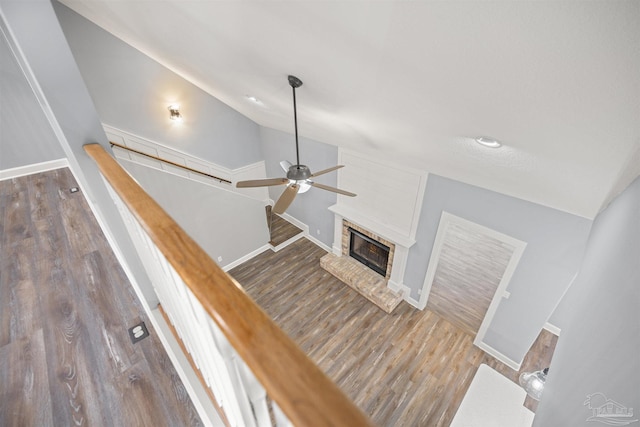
(240, 352)
(169, 162)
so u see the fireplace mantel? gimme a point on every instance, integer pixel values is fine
(381, 229)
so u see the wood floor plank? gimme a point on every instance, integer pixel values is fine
(158, 361)
(60, 277)
(70, 356)
(469, 270)
(17, 217)
(408, 368)
(280, 229)
(121, 353)
(24, 389)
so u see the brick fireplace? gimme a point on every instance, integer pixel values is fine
(387, 210)
(356, 274)
(347, 237)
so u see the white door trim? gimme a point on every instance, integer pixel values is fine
(447, 219)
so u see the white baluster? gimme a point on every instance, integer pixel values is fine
(234, 386)
(257, 394)
(281, 418)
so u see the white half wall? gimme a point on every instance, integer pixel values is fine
(228, 226)
(252, 171)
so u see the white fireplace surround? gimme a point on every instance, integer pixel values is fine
(388, 204)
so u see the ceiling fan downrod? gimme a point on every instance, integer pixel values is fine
(295, 83)
(298, 177)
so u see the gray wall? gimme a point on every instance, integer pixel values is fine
(36, 31)
(310, 207)
(555, 239)
(599, 348)
(555, 245)
(223, 223)
(132, 92)
(26, 137)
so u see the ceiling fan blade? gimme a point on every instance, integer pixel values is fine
(285, 165)
(322, 172)
(261, 182)
(335, 190)
(286, 198)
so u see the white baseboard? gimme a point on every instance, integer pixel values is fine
(406, 294)
(196, 391)
(495, 353)
(305, 229)
(288, 242)
(552, 328)
(318, 242)
(413, 302)
(301, 225)
(399, 287)
(247, 257)
(34, 168)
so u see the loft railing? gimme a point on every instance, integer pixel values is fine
(169, 162)
(240, 352)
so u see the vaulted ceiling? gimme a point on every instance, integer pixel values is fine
(414, 82)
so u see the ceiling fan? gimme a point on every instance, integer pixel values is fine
(298, 179)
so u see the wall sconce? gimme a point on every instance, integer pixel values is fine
(533, 382)
(174, 112)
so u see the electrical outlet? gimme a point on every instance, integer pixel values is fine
(318, 231)
(138, 332)
(219, 259)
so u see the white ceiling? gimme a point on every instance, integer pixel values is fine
(557, 82)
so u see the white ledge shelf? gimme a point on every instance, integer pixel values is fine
(380, 229)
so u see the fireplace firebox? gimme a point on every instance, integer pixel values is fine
(368, 251)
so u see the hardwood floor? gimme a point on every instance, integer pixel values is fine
(281, 229)
(469, 271)
(409, 368)
(65, 307)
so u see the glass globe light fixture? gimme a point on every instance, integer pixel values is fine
(533, 382)
(304, 186)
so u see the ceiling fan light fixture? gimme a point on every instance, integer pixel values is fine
(488, 142)
(299, 176)
(304, 186)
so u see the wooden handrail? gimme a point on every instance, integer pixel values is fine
(303, 392)
(142, 153)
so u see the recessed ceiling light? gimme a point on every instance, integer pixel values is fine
(488, 142)
(254, 99)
